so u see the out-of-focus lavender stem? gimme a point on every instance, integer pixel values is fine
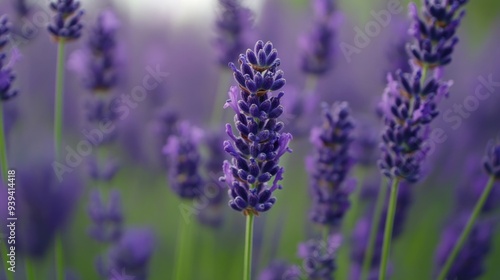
(219, 100)
(467, 229)
(389, 223)
(59, 99)
(3, 149)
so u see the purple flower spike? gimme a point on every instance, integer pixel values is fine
(316, 47)
(231, 27)
(67, 21)
(492, 159)
(6, 75)
(319, 257)
(435, 31)
(107, 218)
(279, 270)
(184, 161)
(257, 149)
(330, 164)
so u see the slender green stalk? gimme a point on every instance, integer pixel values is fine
(183, 251)
(59, 99)
(3, 147)
(377, 216)
(247, 266)
(29, 269)
(58, 112)
(389, 223)
(220, 98)
(5, 168)
(467, 229)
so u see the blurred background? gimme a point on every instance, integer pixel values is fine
(180, 38)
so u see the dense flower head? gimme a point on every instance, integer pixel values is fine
(129, 256)
(492, 159)
(102, 46)
(319, 257)
(330, 164)
(408, 107)
(6, 75)
(98, 112)
(182, 150)
(107, 218)
(67, 21)
(231, 26)
(435, 31)
(22, 8)
(316, 46)
(257, 149)
(470, 261)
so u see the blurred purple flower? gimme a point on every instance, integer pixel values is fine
(319, 257)
(232, 26)
(107, 218)
(258, 148)
(182, 150)
(329, 165)
(492, 159)
(279, 270)
(6, 75)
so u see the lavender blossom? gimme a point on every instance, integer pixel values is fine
(22, 8)
(492, 159)
(184, 162)
(107, 218)
(435, 31)
(6, 75)
(469, 263)
(316, 47)
(279, 270)
(319, 257)
(129, 256)
(231, 27)
(330, 164)
(67, 21)
(258, 148)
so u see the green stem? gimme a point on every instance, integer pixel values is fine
(3, 147)
(59, 257)
(467, 229)
(220, 97)
(377, 216)
(183, 251)
(247, 266)
(58, 112)
(389, 222)
(29, 269)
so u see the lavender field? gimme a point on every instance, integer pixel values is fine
(254, 140)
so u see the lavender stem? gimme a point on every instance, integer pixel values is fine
(389, 222)
(379, 208)
(467, 229)
(59, 99)
(247, 266)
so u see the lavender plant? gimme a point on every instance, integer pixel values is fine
(411, 101)
(257, 150)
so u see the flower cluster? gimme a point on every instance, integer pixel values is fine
(107, 219)
(261, 143)
(316, 46)
(435, 31)
(330, 165)
(67, 21)
(319, 257)
(231, 27)
(6, 75)
(182, 150)
(492, 160)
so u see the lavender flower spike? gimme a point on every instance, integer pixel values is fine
(67, 21)
(182, 151)
(492, 160)
(435, 31)
(6, 75)
(257, 149)
(319, 257)
(330, 164)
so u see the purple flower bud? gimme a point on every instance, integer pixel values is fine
(492, 159)
(107, 218)
(6, 75)
(319, 257)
